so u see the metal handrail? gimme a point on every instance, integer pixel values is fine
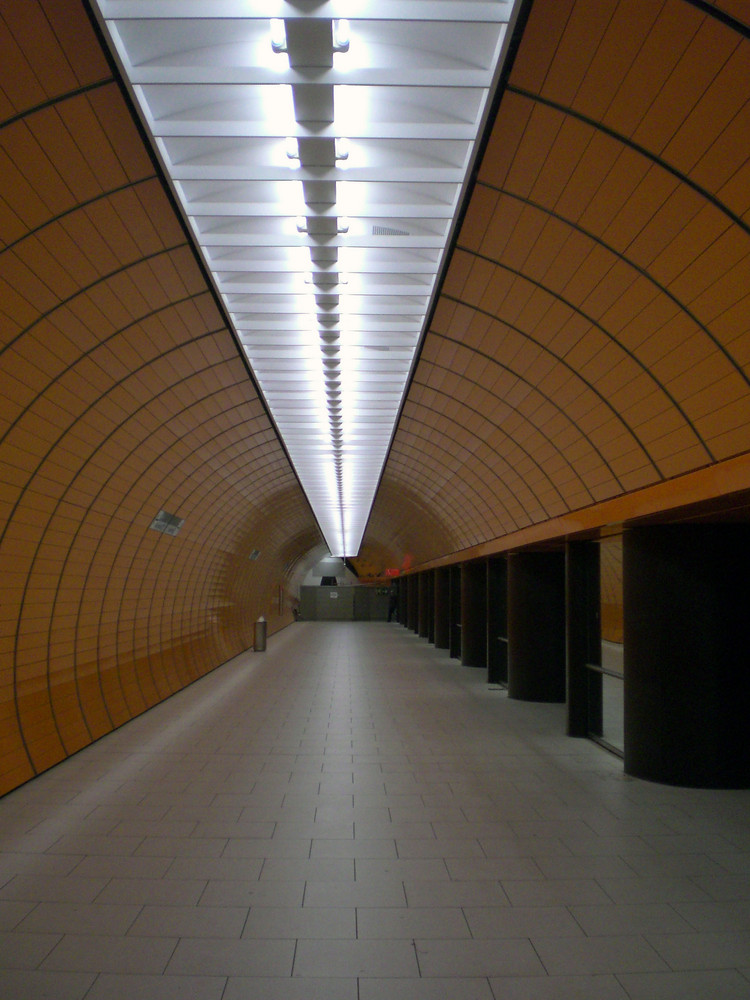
(604, 670)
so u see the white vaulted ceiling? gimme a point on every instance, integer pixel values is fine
(321, 165)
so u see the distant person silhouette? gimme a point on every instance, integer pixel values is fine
(392, 602)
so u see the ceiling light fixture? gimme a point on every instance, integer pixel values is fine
(292, 150)
(278, 35)
(341, 37)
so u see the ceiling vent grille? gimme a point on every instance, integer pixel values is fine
(168, 524)
(388, 231)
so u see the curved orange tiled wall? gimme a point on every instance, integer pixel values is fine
(122, 394)
(591, 339)
(590, 344)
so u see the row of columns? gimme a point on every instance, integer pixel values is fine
(531, 619)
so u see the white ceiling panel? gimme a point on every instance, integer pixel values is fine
(320, 163)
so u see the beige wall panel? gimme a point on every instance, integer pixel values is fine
(618, 42)
(545, 26)
(670, 35)
(676, 110)
(576, 49)
(502, 145)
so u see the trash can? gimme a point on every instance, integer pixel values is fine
(259, 643)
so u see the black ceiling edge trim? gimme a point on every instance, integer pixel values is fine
(117, 77)
(522, 13)
(628, 262)
(53, 102)
(720, 15)
(90, 352)
(80, 206)
(534, 387)
(423, 423)
(643, 151)
(527, 420)
(595, 324)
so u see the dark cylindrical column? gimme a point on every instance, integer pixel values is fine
(412, 613)
(454, 643)
(584, 638)
(431, 606)
(686, 594)
(442, 607)
(474, 614)
(423, 625)
(497, 620)
(536, 626)
(403, 601)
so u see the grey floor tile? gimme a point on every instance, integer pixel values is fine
(143, 987)
(301, 922)
(347, 894)
(81, 918)
(109, 953)
(712, 950)
(588, 867)
(374, 830)
(560, 988)
(176, 847)
(523, 847)
(673, 889)
(410, 849)
(13, 912)
(457, 959)
(359, 847)
(426, 989)
(224, 869)
(98, 866)
(554, 892)
(639, 918)
(222, 893)
(592, 956)
(355, 958)
(713, 916)
(400, 870)
(723, 887)
(169, 892)
(711, 985)
(209, 828)
(314, 869)
(485, 892)
(19, 950)
(494, 868)
(222, 957)
(103, 844)
(464, 829)
(521, 922)
(32, 863)
(402, 923)
(314, 831)
(28, 985)
(189, 921)
(40, 888)
(253, 847)
(262, 988)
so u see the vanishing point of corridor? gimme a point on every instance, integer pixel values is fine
(352, 815)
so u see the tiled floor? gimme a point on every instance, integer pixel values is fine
(352, 815)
